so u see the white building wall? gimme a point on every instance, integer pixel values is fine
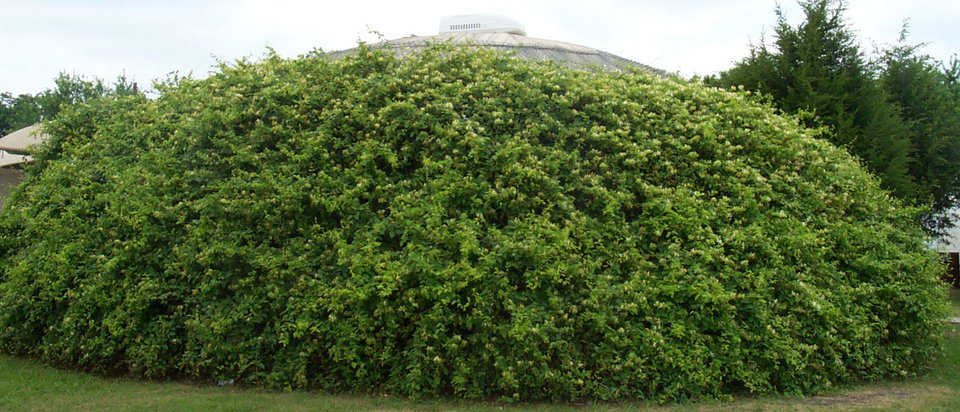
(950, 242)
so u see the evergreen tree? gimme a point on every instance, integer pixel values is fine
(929, 101)
(817, 67)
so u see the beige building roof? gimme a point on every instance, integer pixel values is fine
(9, 159)
(568, 54)
(19, 142)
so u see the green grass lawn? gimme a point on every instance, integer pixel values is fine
(28, 385)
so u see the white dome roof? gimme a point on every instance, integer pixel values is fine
(532, 48)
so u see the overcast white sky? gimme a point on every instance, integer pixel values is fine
(148, 39)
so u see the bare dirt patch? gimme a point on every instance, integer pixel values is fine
(908, 397)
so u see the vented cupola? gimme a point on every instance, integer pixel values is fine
(481, 23)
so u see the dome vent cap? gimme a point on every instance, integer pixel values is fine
(481, 23)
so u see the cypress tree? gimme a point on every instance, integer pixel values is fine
(816, 68)
(926, 94)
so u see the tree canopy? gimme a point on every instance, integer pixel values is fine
(928, 98)
(25, 109)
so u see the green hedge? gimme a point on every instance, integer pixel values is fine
(461, 223)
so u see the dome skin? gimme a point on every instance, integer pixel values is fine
(531, 48)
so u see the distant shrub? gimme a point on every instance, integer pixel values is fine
(461, 223)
